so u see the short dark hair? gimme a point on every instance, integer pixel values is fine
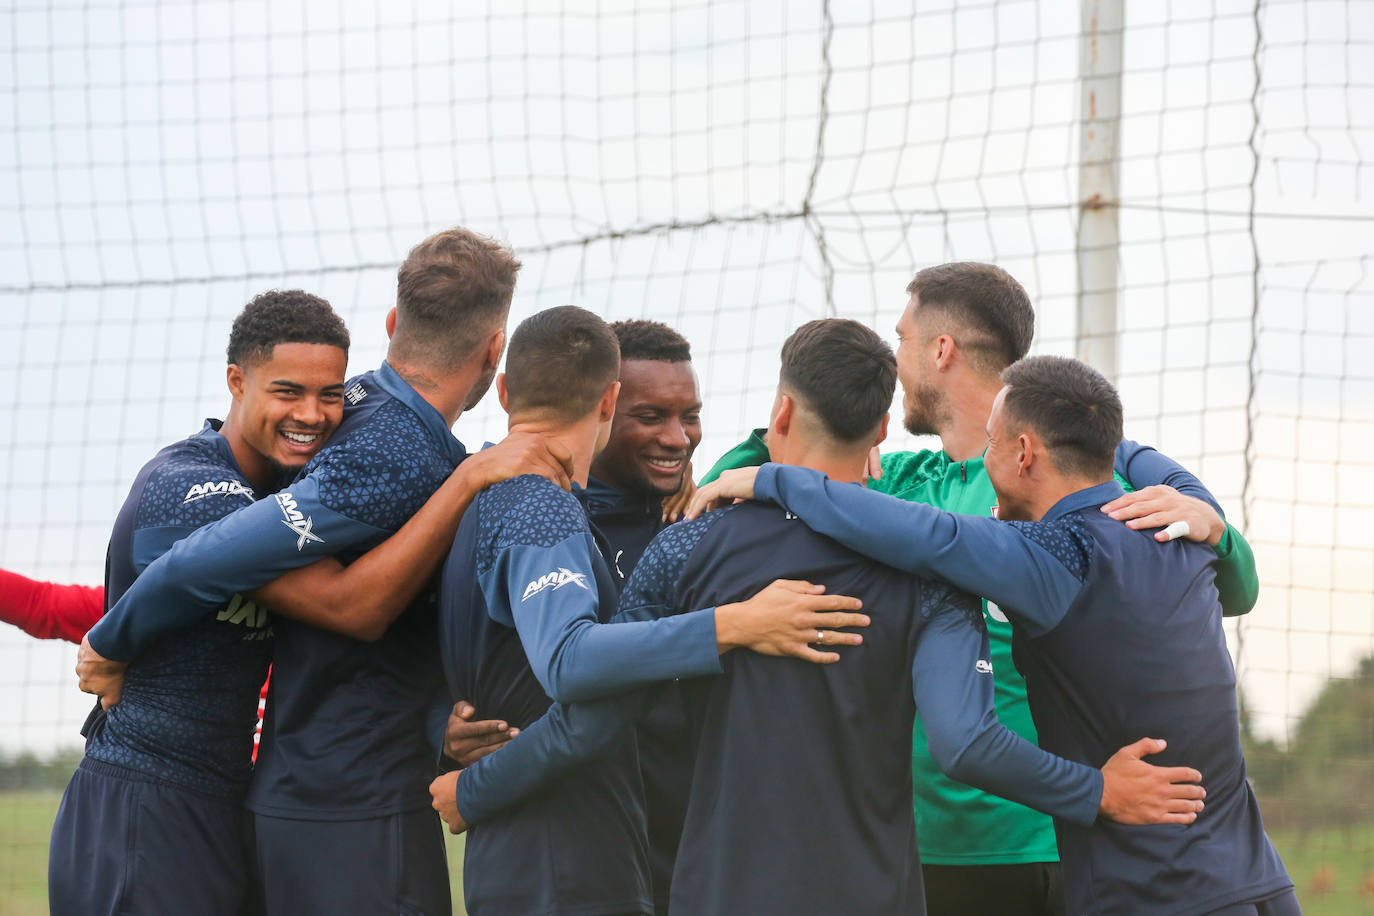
(560, 361)
(651, 340)
(281, 316)
(843, 372)
(452, 292)
(987, 303)
(1072, 407)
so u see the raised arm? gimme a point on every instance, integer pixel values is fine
(952, 680)
(363, 598)
(1150, 473)
(979, 555)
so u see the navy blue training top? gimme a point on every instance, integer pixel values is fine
(1119, 637)
(524, 559)
(344, 736)
(627, 522)
(801, 796)
(189, 703)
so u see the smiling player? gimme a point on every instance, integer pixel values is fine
(152, 821)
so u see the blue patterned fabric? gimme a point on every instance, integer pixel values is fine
(1065, 538)
(189, 703)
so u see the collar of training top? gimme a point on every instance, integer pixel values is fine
(1082, 499)
(400, 389)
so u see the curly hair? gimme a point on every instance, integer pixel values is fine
(281, 316)
(651, 340)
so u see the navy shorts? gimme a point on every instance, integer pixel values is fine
(382, 865)
(124, 842)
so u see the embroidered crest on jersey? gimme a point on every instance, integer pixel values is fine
(356, 393)
(298, 522)
(554, 581)
(222, 488)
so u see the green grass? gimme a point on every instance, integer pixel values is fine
(1333, 867)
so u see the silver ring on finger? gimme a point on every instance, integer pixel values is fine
(820, 637)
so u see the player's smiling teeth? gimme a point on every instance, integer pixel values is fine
(665, 463)
(300, 438)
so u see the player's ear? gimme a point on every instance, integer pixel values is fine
(501, 393)
(606, 409)
(784, 415)
(944, 351)
(495, 347)
(882, 431)
(1025, 456)
(391, 323)
(237, 381)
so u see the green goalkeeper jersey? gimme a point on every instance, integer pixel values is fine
(957, 824)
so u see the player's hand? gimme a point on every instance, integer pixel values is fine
(519, 453)
(790, 617)
(674, 506)
(1136, 792)
(875, 463)
(466, 742)
(725, 489)
(1160, 506)
(444, 799)
(98, 675)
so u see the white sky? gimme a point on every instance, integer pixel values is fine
(166, 162)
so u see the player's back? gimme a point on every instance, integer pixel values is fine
(802, 799)
(189, 703)
(578, 846)
(1141, 652)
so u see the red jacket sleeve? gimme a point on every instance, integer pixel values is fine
(47, 610)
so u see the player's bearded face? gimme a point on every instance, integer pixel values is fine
(480, 389)
(656, 428)
(922, 401)
(293, 402)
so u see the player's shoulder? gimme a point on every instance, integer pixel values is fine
(531, 511)
(191, 483)
(388, 435)
(661, 565)
(1067, 538)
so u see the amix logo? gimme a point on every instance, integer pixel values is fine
(300, 524)
(983, 666)
(555, 580)
(242, 612)
(223, 488)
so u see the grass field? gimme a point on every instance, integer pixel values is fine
(1333, 868)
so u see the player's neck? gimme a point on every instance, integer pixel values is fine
(578, 437)
(964, 433)
(259, 472)
(447, 393)
(1046, 492)
(841, 466)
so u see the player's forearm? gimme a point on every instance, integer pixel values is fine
(999, 761)
(564, 737)
(952, 682)
(363, 598)
(598, 660)
(46, 610)
(1237, 578)
(236, 554)
(979, 555)
(1145, 467)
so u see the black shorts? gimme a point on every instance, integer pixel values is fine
(1026, 889)
(383, 865)
(124, 842)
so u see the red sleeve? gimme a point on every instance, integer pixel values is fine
(47, 610)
